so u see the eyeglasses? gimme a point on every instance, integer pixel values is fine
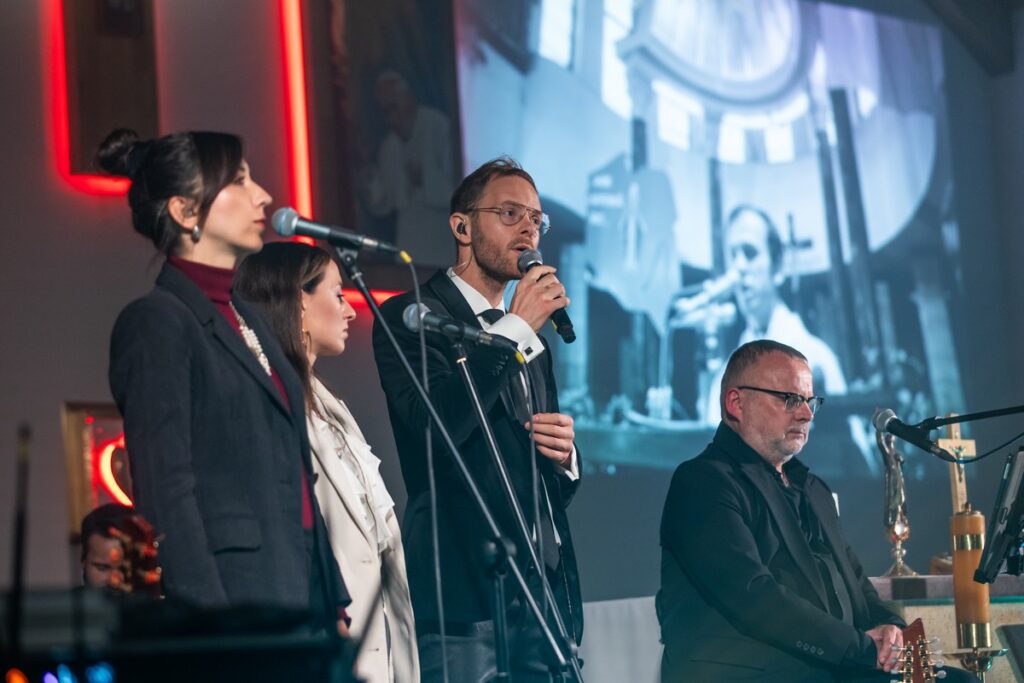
(793, 401)
(511, 213)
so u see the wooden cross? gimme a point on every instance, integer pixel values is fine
(960, 448)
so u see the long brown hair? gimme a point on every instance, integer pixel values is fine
(274, 279)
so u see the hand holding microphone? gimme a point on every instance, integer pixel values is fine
(540, 296)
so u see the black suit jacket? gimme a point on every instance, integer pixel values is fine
(217, 459)
(462, 533)
(741, 597)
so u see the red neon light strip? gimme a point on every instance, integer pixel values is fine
(91, 184)
(298, 126)
(379, 295)
(295, 95)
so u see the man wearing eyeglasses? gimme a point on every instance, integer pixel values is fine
(757, 580)
(495, 215)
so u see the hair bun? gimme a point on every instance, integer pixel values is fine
(121, 152)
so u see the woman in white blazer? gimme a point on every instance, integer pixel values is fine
(299, 289)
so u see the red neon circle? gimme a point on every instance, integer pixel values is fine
(104, 461)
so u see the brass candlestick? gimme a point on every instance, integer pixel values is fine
(897, 526)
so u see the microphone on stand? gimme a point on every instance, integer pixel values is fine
(886, 421)
(287, 222)
(560, 319)
(418, 316)
(707, 292)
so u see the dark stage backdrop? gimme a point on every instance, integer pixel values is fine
(646, 123)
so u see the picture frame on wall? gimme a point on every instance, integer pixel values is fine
(386, 134)
(96, 462)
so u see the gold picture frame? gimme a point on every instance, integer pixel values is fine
(89, 428)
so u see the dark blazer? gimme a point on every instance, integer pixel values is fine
(741, 597)
(217, 459)
(462, 534)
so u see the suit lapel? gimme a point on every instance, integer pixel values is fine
(296, 407)
(235, 345)
(789, 527)
(181, 286)
(445, 291)
(823, 506)
(442, 287)
(325, 453)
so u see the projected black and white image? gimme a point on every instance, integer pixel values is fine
(722, 171)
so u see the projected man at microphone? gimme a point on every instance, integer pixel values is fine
(495, 216)
(755, 254)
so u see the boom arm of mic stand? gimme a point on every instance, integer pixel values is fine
(936, 422)
(349, 262)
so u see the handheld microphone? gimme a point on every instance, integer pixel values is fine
(560, 319)
(287, 222)
(886, 421)
(416, 316)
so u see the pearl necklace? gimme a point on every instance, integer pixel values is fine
(251, 340)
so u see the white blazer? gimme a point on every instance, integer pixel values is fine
(356, 548)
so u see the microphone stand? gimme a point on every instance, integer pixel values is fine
(501, 551)
(492, 446)
(16, 596)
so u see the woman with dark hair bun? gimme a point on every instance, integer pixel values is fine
(299, 289)
(214, 414)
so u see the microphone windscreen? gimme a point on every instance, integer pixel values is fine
(284, 221)
(412, 316)
(881, 418)
(528, 259)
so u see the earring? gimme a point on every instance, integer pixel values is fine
(196, 233)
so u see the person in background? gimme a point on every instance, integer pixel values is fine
(101, 550)
(213, 412)
(299, 289)
(414, 167)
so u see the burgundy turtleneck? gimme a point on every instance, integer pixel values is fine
(216, 284)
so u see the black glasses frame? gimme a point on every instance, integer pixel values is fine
(792, 400)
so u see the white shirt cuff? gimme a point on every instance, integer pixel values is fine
(515, 328)
(573, 470)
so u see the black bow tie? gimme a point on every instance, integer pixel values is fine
(492, 315)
